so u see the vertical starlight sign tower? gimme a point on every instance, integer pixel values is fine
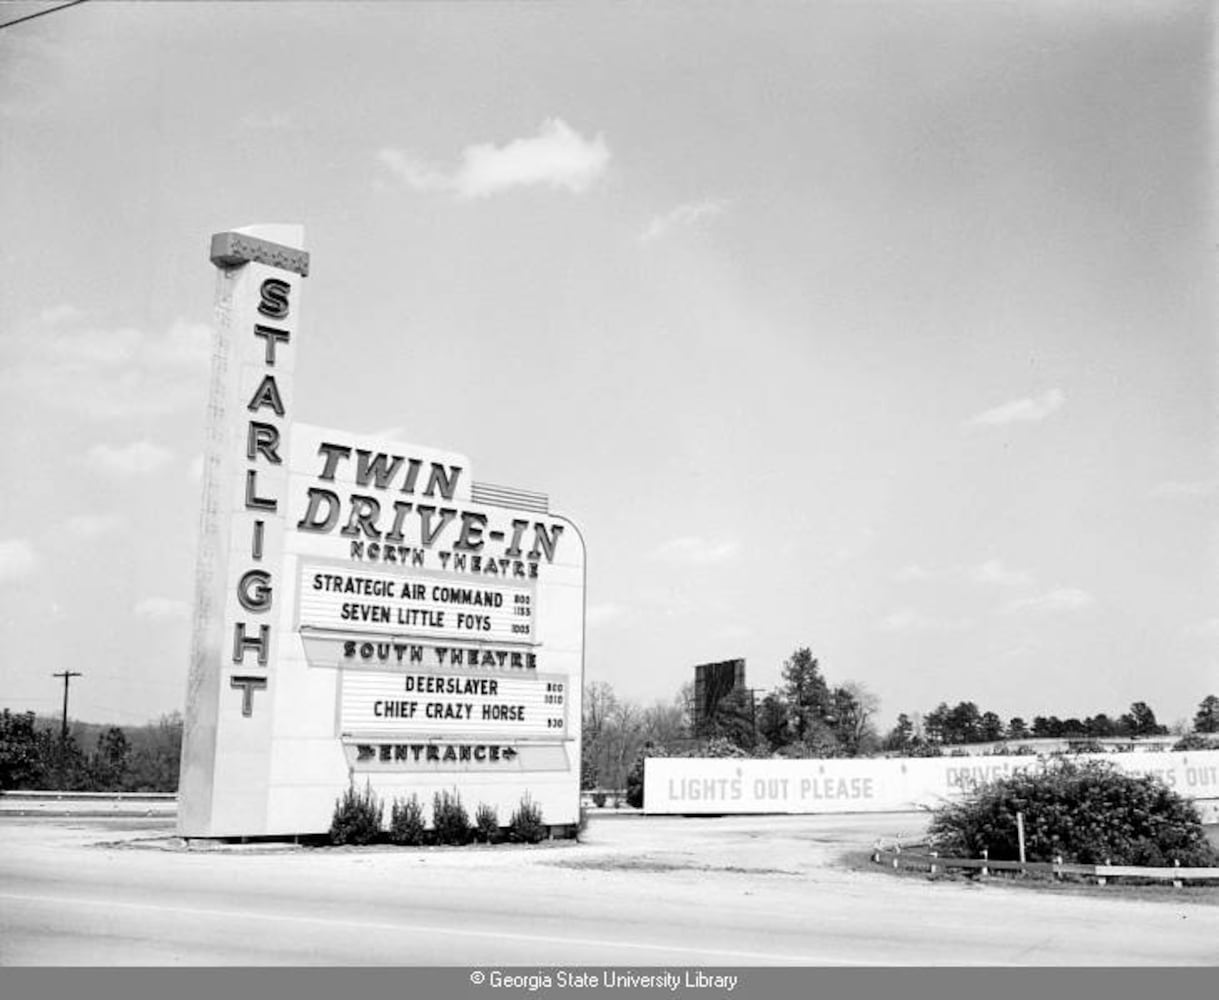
(364, 609)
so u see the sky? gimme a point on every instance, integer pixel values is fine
(881, 329)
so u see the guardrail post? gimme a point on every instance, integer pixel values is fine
(1100, 879)
(934, 855)
(897, 853)
(1058, 866)
(985, 859)
(876, 852)
(1176, 882)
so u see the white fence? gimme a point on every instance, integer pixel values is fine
(700, 785)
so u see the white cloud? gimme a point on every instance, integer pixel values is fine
(161, 608)
(557, 156)
(1021, 410)
(697, 551)
(91, 525)
(993, 571)
(1195, 488)
(1058, 599)
(17, 559)
(602, 614)
(907, 620)
(136, 458)
(276, 121)
(106, 373)
(63, 313)
(683, 215)
(913, 572)
(194, 471)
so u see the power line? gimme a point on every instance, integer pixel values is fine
(41, 13)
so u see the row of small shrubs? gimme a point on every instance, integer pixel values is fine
(358, 819)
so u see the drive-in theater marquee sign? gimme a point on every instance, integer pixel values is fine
(365, 610)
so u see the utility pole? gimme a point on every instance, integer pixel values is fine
(67, 675)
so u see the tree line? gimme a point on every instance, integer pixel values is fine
(808, 716)
(35, 754)
(965, 723)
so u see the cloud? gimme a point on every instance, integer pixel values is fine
(557, 156)
(602, 614)
(54, 315)
(194, 470)
(17, 559)
(136, 458)
(106, 373)
(912, 572)
(1021, 410)
(697, 551)
(91, 525)
(1195, 488)
(1058, 599)
(683, 215)
(161, 608)
(993, 571)
(907, 620)
(275, 121)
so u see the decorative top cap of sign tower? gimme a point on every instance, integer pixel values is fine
(263, 245)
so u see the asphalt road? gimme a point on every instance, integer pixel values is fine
(640, 892)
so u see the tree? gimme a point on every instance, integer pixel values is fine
(1100, 725)
(600, 703)
(963, 723)
(773, 721)
(935, 723)
(155, 760)
(990, 729)
(1017, 729)
(806, 693)
(1141, 721)
(1207, 718)
(853, 707)
(25, 751)
(732, 720)
(901, 736)
(665, 722)
(625, 736)
(109, 762)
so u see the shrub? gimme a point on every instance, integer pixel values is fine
(1195, 741)
(599, 799)
(357, 817)
(486, 824)
(406, 825)
(1088, 813)
(450, 823)
(526, 826)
